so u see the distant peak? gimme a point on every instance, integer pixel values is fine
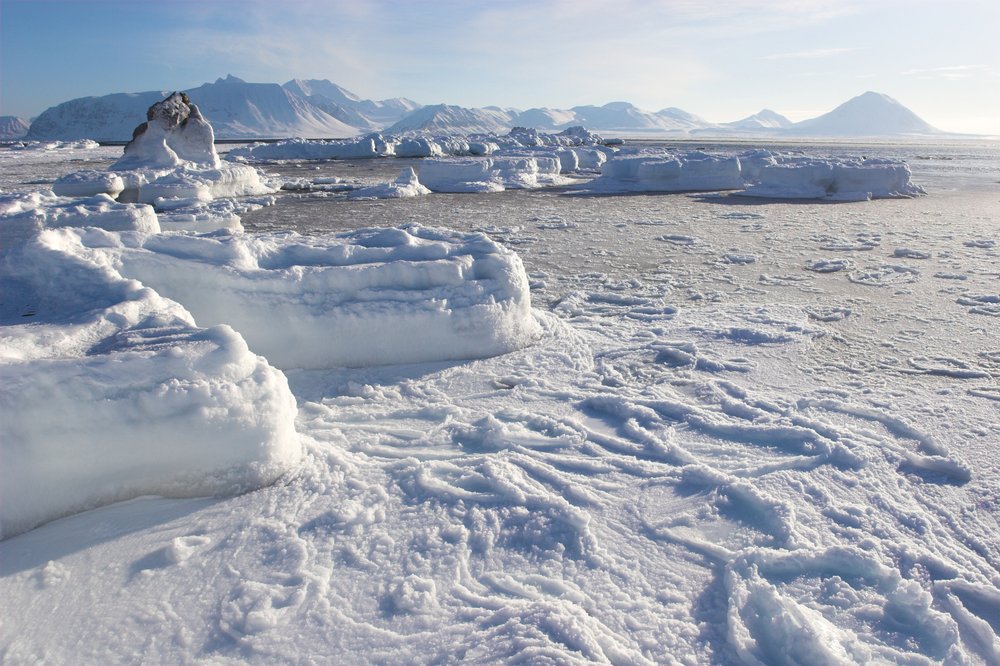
(230, 79)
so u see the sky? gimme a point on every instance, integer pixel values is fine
(722, 60)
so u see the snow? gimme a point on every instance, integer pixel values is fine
(171, 163)
(833, 179)
(147, 402)
(688, 172)
(26, 214)
(373, 296)
(405, 185)
(491, 174)
(702, 458)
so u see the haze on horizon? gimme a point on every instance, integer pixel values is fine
(800, 58)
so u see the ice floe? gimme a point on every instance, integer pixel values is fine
(490, 174)
(369, 297)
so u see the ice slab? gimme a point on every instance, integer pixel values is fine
(491, 174)
(109, 391)
(368, 297)
(684, 172)
(833, 179)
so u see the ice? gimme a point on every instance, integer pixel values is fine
(689, 172)
(491, 174)
(833, 179)
(746, 430)
(22, 215)
(405, 185)
(374, 296)
(171, 162)
(147, 402)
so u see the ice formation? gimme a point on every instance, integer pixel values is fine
(369, 297)
(170, 162)
(490, 174)
(31, 212)
(405, 185)
(147, 401)
(830, 179)
(685, 172)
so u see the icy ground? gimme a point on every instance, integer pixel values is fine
(752, 433)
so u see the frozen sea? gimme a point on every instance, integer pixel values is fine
(753, 432)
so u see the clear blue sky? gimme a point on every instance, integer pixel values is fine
(722, 60)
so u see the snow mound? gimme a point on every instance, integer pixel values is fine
(148, 403)
(492, 174)
(405, 185)
(368, 297)
(833, 179)
(23, 215)
(687, 172)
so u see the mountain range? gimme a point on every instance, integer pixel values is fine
(317, 108)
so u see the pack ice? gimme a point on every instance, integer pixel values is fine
(138, 339)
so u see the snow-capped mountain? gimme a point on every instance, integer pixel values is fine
(349, 108)
(318, 108)
(13, 128)
(870, 114)
(447, 119)
(235, 108)
(107, 118)
(765, 119)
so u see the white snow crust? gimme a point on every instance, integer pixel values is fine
(689, 172)
(405, 185)
(831, 179)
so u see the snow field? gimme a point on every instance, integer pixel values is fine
(703, 459)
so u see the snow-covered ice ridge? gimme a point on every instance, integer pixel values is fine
(529, 159)
(147, 401)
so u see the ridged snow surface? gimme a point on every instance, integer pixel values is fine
(749, 431)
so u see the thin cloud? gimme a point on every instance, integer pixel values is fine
(950, 72)
(810, 54)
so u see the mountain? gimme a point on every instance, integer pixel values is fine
(13, 128)
(765, 119)
(617, 116)
(544, 118)
(447, 119)
(318, 108)
(870, 114)
(679, 119)
(107, 118)
(236, 109)
(348, 107)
